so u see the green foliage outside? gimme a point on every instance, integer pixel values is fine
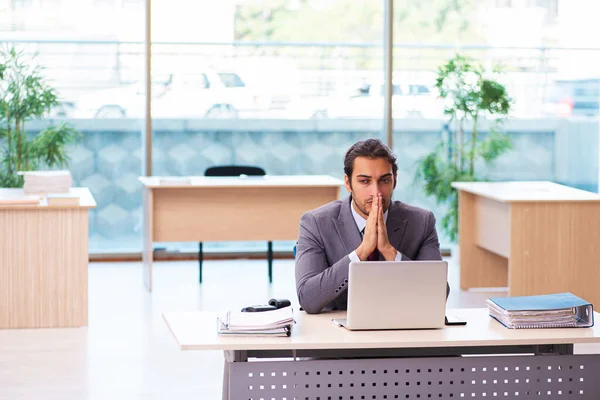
(358, 21)
(354, 21)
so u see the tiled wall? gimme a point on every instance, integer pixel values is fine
(108, 160)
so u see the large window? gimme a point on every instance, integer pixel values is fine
(553, 122)
(284, 85)
(82, 56)
(289, 85)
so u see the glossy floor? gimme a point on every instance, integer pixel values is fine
(127, 351)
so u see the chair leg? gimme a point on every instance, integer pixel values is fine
(270, 260)
(200, 259)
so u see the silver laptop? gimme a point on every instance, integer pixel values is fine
(396, 295)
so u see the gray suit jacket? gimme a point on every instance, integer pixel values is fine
(329, 234)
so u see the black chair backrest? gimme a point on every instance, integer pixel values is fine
(234, 170)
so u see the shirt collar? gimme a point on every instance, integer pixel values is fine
(361, 223)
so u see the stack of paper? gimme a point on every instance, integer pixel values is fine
(46, 181)
(560, 310)
(175, 180)
(266, 323)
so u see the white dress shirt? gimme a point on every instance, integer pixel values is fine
(361, 223)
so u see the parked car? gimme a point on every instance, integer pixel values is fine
(408, 101)
(119, 102)
(64, 109)
(206, 94)
(574, 97)
(211, 94)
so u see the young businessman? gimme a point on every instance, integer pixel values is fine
(367, 225)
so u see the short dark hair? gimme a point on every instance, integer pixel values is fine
(370, 148)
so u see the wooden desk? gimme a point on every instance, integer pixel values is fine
(229, 208)
(353, 358)
(44, 263)
(534, 237)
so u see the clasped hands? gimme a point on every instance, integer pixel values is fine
(375, 236)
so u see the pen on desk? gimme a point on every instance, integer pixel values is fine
(335, 322)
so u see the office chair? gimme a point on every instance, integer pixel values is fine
(236, 170)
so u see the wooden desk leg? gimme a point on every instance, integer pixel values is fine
(479, 268)
(147, 253)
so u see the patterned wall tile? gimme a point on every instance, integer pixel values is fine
(128, 189)
(101, 187)
(110, 159)
(109, 163)
(81, 163)
(114, 221)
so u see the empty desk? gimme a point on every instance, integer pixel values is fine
(534, 237)
(229, 208)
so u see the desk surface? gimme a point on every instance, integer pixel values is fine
(197, 331)
(86, 200)
(251, 181)
(525, 191)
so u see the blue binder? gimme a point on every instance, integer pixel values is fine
(559, 310)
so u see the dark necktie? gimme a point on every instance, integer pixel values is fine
(374, 256)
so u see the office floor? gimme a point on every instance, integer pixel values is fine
(127, 351)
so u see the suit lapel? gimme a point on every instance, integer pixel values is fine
(396, 226)
(346, 227)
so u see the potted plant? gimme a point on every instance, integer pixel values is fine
(25, 95)
(470, 97)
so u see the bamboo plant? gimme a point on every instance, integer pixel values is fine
(26, 95)
(470, 96)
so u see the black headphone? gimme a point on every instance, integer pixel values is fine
(274, 304)
(280, 303)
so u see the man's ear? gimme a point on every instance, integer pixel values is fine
(395, 181)
(347, 183)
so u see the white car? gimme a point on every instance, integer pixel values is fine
(125, 101)
(210, 94)
(408, 101)
(207, 94)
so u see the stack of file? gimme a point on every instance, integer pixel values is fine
(266, 323)
(560, 310)
(41, 182)
(62, 199)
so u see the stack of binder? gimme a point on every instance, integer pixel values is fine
(560, 310)
(267, 323)
(62, 199)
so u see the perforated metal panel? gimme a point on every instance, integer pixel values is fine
(511, 377)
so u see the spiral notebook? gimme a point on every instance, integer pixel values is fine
(559, 310)
(268, 323)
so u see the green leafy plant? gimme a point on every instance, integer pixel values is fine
(25, 95)
(469, 96)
